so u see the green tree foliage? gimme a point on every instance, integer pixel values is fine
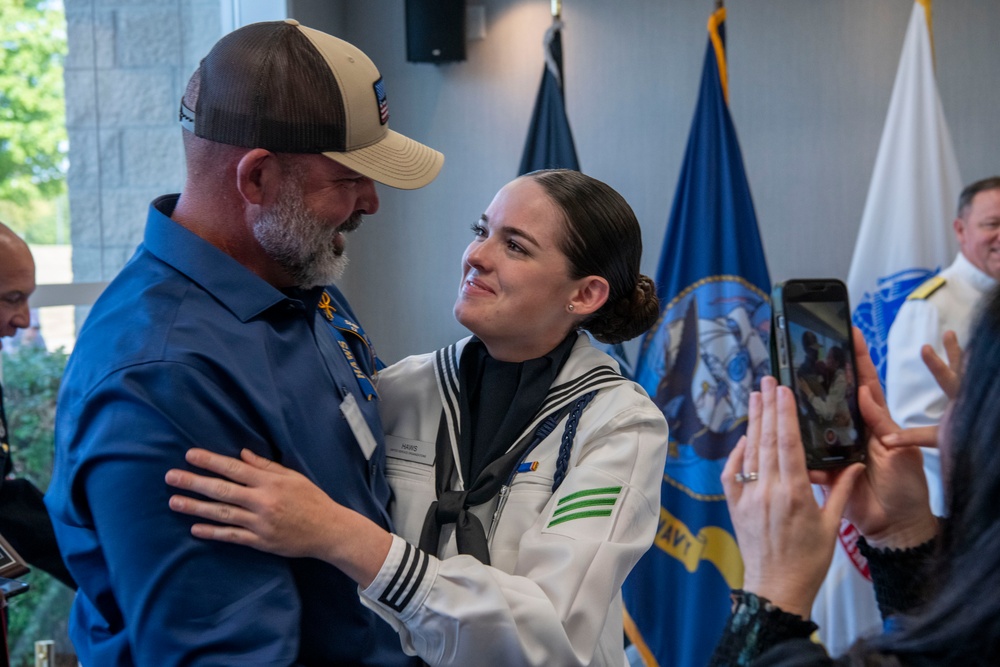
(31, 384)
(31, 379)
(33, 142)
(40, 221)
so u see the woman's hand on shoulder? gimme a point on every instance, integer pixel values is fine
(259, 503)
(255, 501)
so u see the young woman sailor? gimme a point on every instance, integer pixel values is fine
(526, 470)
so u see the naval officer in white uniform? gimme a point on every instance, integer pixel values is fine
(948, 301)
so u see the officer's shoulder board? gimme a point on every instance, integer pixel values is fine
(927, 288)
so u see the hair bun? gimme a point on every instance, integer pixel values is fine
(630, 317)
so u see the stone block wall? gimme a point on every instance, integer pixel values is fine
(126, 69)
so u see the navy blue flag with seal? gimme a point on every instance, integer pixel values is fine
(699, 363)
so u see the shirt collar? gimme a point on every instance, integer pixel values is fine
(980, 280)
(240, 290)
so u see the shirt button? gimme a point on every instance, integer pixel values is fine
(373, 467)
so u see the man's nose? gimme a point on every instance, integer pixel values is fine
(22, 316)
(368, 198)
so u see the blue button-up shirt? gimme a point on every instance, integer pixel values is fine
(187, 348)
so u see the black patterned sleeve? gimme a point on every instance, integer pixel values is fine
(755, 625)
(900, 576)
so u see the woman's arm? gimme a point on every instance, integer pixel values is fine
(785, 538)
(758, 633)
(566, 573)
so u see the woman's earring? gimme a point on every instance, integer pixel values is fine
(570, 308)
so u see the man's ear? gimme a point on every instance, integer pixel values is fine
(959, 226)
(258, 177)
(591, 294)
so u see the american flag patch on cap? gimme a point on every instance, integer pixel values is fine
(383, 105)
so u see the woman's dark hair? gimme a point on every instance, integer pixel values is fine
(960, 625)
(603, 239)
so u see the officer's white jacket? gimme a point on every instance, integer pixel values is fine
(911, 392)
(552, 594)
(914, 397)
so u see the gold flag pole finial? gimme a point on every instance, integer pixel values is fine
(714, 21)
(556, 9)
(928, 15)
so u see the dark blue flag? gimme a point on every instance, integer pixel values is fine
(550, 142)
(700, 362)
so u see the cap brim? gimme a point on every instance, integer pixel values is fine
(396, 161)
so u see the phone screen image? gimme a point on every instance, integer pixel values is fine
(821, 371)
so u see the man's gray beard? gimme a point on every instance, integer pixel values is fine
(300, 242)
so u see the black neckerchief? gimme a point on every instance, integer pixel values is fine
(498, 400)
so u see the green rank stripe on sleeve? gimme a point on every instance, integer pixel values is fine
(585, 504)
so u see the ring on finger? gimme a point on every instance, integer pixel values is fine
(742, 477)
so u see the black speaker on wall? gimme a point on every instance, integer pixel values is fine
(435, 31)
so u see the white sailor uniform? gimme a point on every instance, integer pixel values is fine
(552, 593)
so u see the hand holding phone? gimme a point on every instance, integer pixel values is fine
(812, 352)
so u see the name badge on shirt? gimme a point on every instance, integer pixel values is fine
(410, 450)
(359, 427)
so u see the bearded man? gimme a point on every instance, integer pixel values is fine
(223, 331)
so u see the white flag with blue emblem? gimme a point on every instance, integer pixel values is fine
(906, 232)
(905, 237)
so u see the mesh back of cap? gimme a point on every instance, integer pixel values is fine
(267, 86)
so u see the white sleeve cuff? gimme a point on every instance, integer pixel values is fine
(404, 581)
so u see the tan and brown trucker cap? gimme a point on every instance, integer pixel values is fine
(281, 86)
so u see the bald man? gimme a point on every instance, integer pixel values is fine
(17, 282)
(24, 521)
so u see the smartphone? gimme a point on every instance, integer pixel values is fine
(812, 352)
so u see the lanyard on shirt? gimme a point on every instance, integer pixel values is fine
(340, 326)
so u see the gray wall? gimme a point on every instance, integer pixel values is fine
(127, 65)
(809, 89)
